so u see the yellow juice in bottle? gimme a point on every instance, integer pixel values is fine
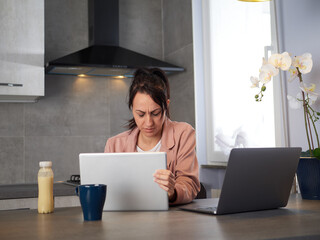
(45, 188)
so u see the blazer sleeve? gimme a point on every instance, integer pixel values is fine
(110, 146)
(187, 168)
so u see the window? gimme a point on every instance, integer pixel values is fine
(235, 37)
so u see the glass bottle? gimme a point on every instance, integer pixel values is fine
(45, 188)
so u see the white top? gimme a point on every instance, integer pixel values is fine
(45, 164)
(156, 148)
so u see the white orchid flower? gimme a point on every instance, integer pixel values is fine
(305, 98)
(282, 61)
(267, 71)
(309, 90)
(294, 102)
(255, 82)
(293, 74)
(304, 63)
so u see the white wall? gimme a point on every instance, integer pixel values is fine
(299, 32)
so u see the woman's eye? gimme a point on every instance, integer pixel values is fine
(156, 114)
(141, 115)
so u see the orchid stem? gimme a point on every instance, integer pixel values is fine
(315, 130)
(309, 127)
(305, 111)
(312, 117)
(305, 122)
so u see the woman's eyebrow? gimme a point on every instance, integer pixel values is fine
(139, 111)
(156, 110)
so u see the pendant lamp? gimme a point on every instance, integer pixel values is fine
(254, 0)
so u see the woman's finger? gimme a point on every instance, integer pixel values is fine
(163, 174)
(169, 184)
(165, 179)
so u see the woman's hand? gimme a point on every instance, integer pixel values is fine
(166, 181)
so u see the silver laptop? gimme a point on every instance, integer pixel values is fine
(255, 179)
(129, 179)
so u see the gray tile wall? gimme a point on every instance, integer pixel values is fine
(66, 28)
(79, 114)
(178, 49)
(141, 26)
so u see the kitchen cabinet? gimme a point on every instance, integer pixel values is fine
(21, 50)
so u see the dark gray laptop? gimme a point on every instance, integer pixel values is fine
(255, 179)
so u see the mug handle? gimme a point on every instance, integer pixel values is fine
(77, 190)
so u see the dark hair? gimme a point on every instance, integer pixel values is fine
(153, 82)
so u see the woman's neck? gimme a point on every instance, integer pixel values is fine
(147, 143)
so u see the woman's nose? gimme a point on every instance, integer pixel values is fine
(149, 120)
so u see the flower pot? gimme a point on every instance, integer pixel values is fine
(308, 174)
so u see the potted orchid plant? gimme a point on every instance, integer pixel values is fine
(297, 66)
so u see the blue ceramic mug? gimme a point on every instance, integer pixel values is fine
(92, 198)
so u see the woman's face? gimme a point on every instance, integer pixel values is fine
(147, 115)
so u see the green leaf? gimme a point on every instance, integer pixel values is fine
(316, 153)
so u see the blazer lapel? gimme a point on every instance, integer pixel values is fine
(131, 144)
(167, 141)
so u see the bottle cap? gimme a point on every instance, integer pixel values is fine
(45, 164)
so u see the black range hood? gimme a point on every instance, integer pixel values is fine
(105, 57)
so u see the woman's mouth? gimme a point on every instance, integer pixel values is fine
(149, 129)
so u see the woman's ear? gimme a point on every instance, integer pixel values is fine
(168, 102)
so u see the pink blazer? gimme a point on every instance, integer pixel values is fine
(178, 141)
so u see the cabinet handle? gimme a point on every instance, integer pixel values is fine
(11, 84)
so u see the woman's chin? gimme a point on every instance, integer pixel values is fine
(149, 133)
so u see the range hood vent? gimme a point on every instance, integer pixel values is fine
(105, 57)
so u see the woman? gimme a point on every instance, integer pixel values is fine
(151, 129)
